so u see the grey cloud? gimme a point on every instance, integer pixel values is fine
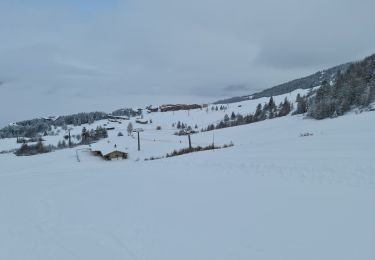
(55, 51)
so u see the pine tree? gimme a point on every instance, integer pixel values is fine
(284, 108)
(24, 149)
(271, 104)
(258, 112)
(301, 105)
(39, 147)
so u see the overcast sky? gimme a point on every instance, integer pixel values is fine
(58, 57)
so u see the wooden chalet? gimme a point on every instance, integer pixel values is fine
(151, 109)
(118, 117)
(177, 107)
(109, 153)
(116, 154)
(141, 121)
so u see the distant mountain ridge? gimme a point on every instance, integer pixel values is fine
(301, 83)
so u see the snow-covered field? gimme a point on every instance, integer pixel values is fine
(274, 195)
(159, 142)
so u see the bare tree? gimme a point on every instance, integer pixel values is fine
(130, 128)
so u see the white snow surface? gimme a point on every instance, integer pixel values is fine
(165, 138)
(273, 195)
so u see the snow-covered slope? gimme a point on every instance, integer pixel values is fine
(274, 195)
(159, 142)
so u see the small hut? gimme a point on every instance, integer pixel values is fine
(116, 154)
(108, 152)
(141, 121)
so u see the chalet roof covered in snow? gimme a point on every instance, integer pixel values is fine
(107, 148)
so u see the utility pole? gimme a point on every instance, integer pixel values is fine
(213, 140)
(70, 140)
(78, 160)
(138, 130)
(188, 132)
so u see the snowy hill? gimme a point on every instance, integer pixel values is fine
(289, 188)
(158, 142)
(307, 82)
